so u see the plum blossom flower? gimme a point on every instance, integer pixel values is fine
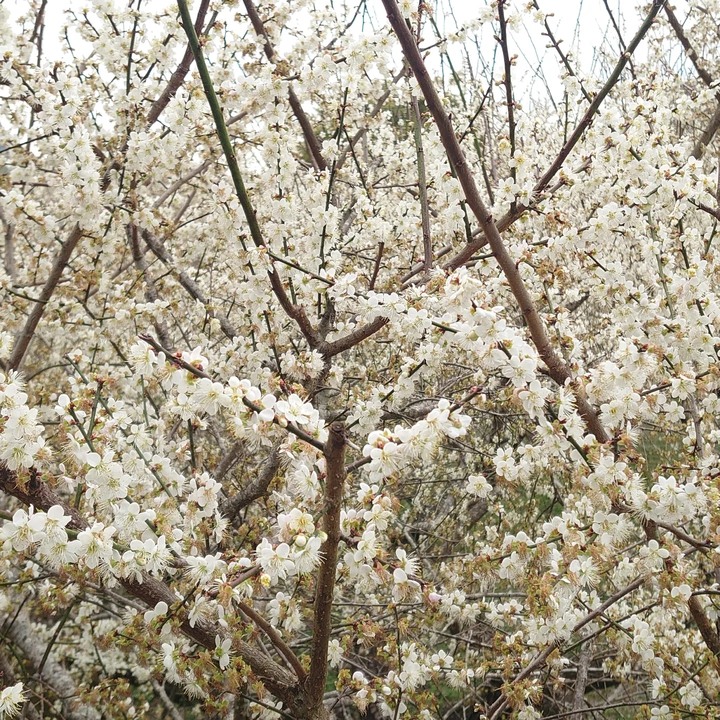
(295, 410)
(584, 571)
(307, 554)
(21, 435)
(11, 700)
(170, 662)
(25, 529)
(478, 485)
(144, 359)
(160, 610)
(275, 561)
(222, 651)
(107, 477)
(203, 568)
(294, 522)
(208, 397)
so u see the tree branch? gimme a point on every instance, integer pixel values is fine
(541, 185)
(233, 505)
(687, 46)
(18, 629)
(499, 705)
(26, 334)
(188, 283)
(177, 78)
(556, 367)
(175, 359)
(334, 481)
(275, 639)
(310, 138)
(422, 188)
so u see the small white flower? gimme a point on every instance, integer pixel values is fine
(11, 700)
(222, 651)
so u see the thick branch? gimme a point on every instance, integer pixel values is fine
(707, 630)
(335, 478)
(330, 349)
(26, 334)
(233, 505)
(310, 138)
(708, 134)
(274, 637)
(177, 78)
(557, 368)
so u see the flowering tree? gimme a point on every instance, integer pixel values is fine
(346, 375)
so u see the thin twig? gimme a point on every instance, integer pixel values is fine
(275, 639)
(151, 293)
(507, 82)
(499, 705)
(422, 188)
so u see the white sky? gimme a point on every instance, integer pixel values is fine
(582, 25)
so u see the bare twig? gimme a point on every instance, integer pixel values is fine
(376, 265)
